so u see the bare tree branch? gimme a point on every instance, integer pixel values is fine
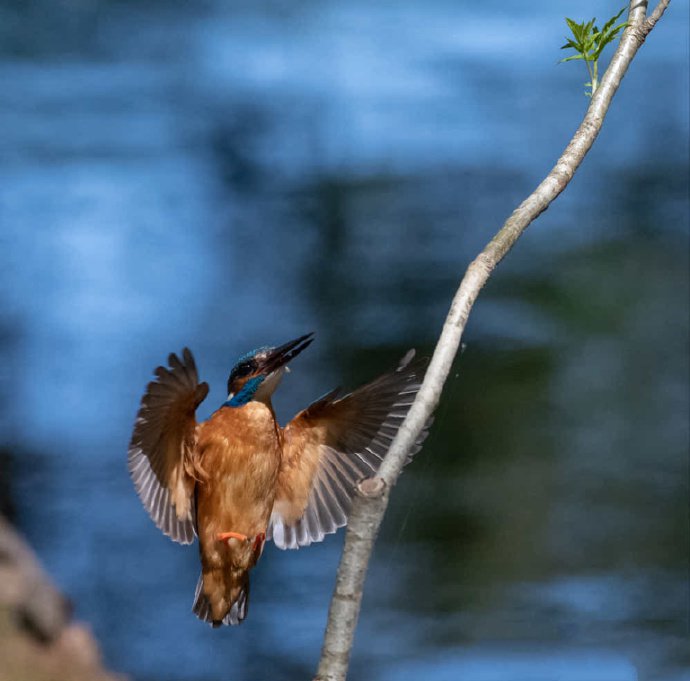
(656, 14)
(371, 502)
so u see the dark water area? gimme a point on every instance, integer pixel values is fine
(227, 175)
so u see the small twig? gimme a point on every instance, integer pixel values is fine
(591, 75)
(371, 502)
(656, 14)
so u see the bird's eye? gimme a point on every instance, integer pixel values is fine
(243, 369)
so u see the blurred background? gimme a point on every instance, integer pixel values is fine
(224, 175)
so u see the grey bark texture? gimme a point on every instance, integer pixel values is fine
(372, 499)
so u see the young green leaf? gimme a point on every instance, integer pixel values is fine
(612, 21)
(589, 42)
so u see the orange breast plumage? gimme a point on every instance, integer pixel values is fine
(239, 450)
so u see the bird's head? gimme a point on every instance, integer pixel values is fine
(257, 374)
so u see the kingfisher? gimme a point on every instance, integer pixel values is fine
(239, 479)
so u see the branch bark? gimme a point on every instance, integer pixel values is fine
(372, 499)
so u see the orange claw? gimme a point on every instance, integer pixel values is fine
(224, 536)
(259, 542)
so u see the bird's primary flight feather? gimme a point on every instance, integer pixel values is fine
(163, 447)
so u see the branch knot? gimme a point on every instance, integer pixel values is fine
(371, 488)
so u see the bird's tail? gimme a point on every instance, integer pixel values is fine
(235, 614)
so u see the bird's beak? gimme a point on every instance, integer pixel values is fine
(280, 356)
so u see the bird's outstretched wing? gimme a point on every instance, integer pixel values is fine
(333, 444)
(161, 452)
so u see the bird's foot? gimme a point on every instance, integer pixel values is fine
(224, 536)
(259, 541)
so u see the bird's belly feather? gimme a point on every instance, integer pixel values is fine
(240, 452)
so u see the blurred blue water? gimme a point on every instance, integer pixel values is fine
(232, 175)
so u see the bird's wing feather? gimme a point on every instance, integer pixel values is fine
(161, 452)
(332, 445)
